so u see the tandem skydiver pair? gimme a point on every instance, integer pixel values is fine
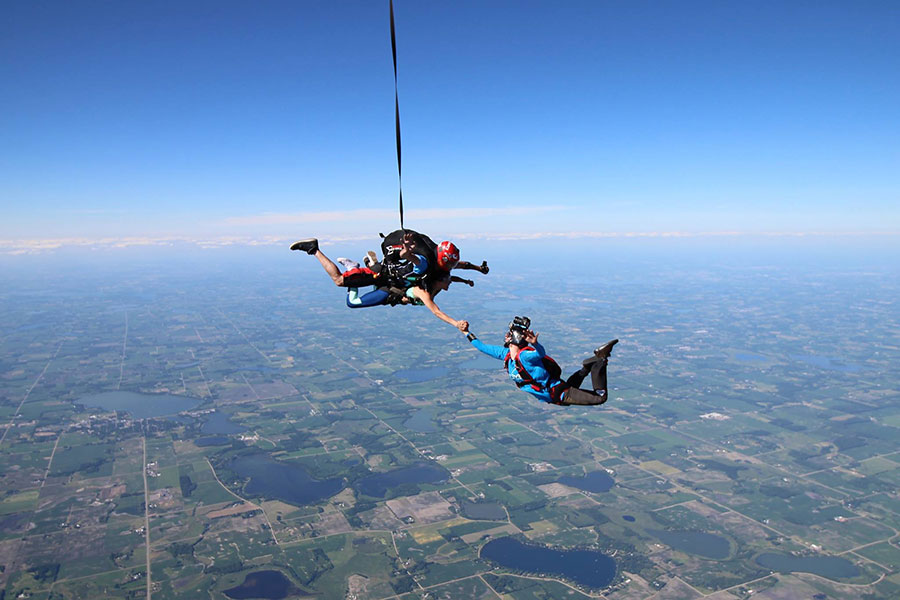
(415, 269)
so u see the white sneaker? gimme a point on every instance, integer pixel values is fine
(348, 264)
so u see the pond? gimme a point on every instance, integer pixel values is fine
(420, 374)
(595, 481)
(272, 585)
(628, 518)
(482, 362)
(590, 568)
(832, 567)
(283, 480)
(141, 406)
(483, 511)
(421, 421)
(218, 423)
(697, 543)
(377, 485)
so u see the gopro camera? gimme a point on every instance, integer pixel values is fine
(517, 328)
(520, 324)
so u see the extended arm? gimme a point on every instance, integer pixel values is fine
(456, 279)
(498, 352)
(464, 264)
(425, 297)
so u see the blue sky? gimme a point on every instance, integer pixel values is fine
(272, 120)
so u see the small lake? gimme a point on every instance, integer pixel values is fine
(826, 363)
(586, 567)
(216, 440)
(421, 374)
(283, 480)
(141, 406)
(272, 585)
(377, 485)
(595, 481)
(697, 543)
(483, 511)
(832, 567)
(483, 362)
(218, 423)
(421, 421)
(628, 518)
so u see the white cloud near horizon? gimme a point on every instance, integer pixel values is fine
(18, 247)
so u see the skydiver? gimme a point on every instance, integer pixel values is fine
(356, 277)
(536, 373)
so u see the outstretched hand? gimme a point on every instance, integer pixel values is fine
(463, 326)
(484, 268)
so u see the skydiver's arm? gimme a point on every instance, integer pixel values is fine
(498, 352)
(425, 297)
(464, 264)
(532, 339)
(456, 279)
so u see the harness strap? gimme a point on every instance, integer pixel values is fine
(556, 392)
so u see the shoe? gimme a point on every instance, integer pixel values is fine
(310, 245)
(370, 258)
(606, 349)
(348, 264)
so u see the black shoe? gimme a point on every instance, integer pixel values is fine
(606, 349)
(310, 246)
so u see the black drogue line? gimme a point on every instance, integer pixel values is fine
(397, 113)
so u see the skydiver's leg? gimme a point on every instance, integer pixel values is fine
(332, 269)
(373, 298)
(599, 395)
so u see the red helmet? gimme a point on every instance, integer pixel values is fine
(447, 255)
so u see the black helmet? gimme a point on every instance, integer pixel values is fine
(517, 328)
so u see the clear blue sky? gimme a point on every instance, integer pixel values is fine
(275, 119)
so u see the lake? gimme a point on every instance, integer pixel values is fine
(697, 543)
(218, 423)
(483, 511)
(595, 481)
(482, 362)
(272, 585)
(418, 375)
(283, 480)
(421, 421)
(141, 406)
(590, 568)
(832, 567)
(377, 485)
(628, 518)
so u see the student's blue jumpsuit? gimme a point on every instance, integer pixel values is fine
(533, 362)
(380, 294)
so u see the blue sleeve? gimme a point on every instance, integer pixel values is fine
(421, 265)
(498, 352)
(540, 349)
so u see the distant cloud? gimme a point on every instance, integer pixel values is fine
(37, 246)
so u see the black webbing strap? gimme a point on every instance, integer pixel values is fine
(397, 113)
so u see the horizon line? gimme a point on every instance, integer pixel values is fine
(24, 246)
